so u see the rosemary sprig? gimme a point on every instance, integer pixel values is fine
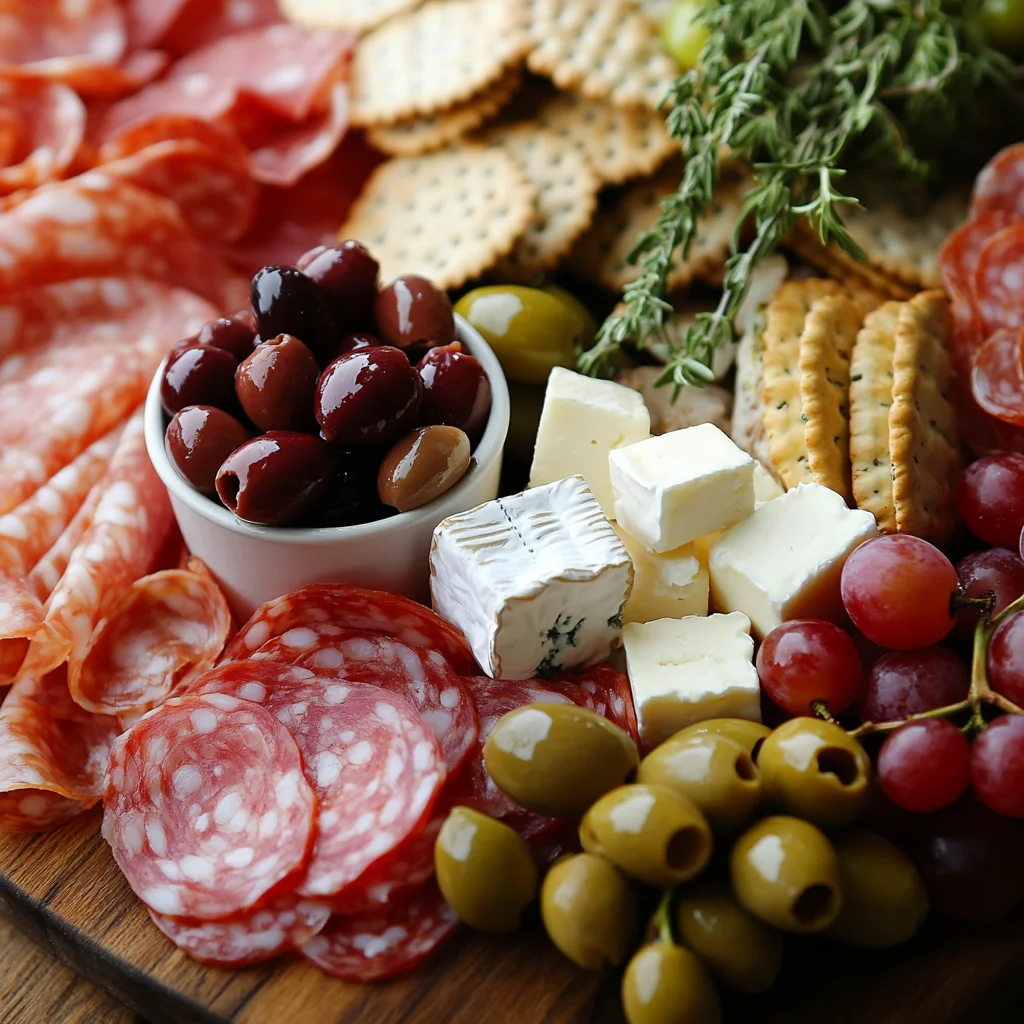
(799, 92)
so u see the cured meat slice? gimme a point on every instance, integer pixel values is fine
(103, 81)
(999, 280)
(43, 124)
(206, 808)
(149, 21)
(382, 944)
(167, 630)
(353, 608)
(997, 376)
(129, 527)
(1000, 185)
(173, 127)
(52, 755)
(203, 22)
(46, 573)
(373, 762)
(251, 938)
(54, 33)
(603, 689)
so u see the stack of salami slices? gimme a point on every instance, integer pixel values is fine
(291, 797)
(982, 266)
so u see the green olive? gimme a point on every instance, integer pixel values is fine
(586, 317)
(715, 772)
(558, 759)
(589, 910)
(485, 870)
(1002, 25)
(682, 35)
(735, 946)
(786, 872)
(813, 769)
(884, 898)
(530, 331)
(652, 833)
(749, 735)
(667, 984)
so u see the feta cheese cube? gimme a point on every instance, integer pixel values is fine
(785, 561)
(583, 419)
(537, 581)
(672, 489)
(665, 586)
(687, 670)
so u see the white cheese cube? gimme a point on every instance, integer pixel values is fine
(537, 581)
(786, 560)
(665, 586)
(672, 489)
(766, 487)
(687, 670)
(583, 419)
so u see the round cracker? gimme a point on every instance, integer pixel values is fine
(344, 15)
(446, 215)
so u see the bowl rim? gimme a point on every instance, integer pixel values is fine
(487, 451)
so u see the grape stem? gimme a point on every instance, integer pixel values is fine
(983, 604)
(661, 924)
(821, 711)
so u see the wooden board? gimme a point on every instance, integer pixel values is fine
(64, 891)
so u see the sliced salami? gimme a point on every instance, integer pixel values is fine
(385, 943)
(202, 22)
(601, 688)
(167, 630)
(999, 280)
(46, 573)
(54, 34)
(997, 376)
(176, 127)
(1000, 185)
(206, 809)
(251, 938)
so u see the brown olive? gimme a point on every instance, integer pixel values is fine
(277, 477)
(199, 439)
(413, 309)
(347, 275)
(422, 465)
(456, 390)
(198, 375)
(275, 384)
(231, 334)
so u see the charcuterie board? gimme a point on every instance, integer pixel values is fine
(65, 892)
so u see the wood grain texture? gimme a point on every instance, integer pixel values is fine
(65, 891)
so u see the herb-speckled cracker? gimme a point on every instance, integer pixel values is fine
(922, 422)
(350, 15)
(447, 215)
(805, 244)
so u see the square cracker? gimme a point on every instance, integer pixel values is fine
(347, 15)
(922, 421)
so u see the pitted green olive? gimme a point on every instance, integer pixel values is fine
(749, 735)
(667, 984)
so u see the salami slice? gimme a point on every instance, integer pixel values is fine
(202, 22)
(1000, 185)
(997, 376)
(374, 764)
(176, 127)
(353, 608)
(206, 809)
(55, 34)
(148, 22)
(602, 689)
(251, 938)
(385, 943)
(167, 630)
(999, 280)
(46, 573)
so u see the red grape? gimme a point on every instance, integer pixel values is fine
(898, 590)
(995, 569)
(806, 660)
(990, 498)
(1020, 546)
(997, 766)
(1006, 659)
(924, 765)
(904, 683)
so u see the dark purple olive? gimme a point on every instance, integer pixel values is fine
(232, 335)
(352, 497)
(350, 343)
(366, 397)
(199, 439)
(244, 316)
(198, 375)
(276, 478)
(348, 275)
(275, 384)
(412, 309)
(456, 390)
(285, 301)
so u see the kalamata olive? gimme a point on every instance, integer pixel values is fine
(275, 384)
(456, 390)
(413, 309)
(276, 478)
(199, 439)
(232, 335)
(348, 275)
(244, 316)
(349, 343)
(285, 301)
(366, 397)
(422, 465)
(198, 375)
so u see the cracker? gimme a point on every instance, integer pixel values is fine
(434, 57)
(748, 406)
(620, 142)
(344, 15)
(417, 135)
(785, 318)
(600, 254)
(922, 421)
(605, 49)
(566, 188)
(446, 215)
(870, 401)
(825, 348)
(806, 246)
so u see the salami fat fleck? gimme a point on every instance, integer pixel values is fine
(381, 944)
(997, 376)
(999, 280)
(1000, 185)
(206, 809)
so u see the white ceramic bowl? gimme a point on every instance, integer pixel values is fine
(256, 563)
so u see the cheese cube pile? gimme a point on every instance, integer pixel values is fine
(665, 586)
